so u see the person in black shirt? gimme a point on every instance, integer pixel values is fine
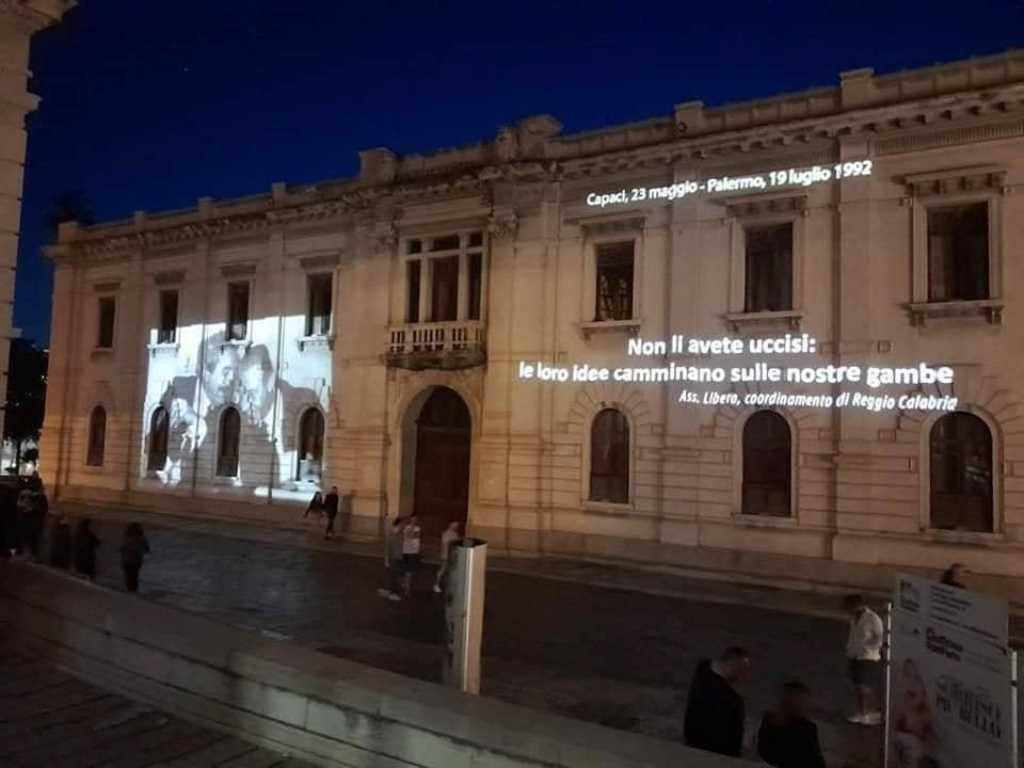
(954, 575)
(331, 508)
(787, 738)
(714, 710)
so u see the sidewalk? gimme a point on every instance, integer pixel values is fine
(599, 643)
(49, 719)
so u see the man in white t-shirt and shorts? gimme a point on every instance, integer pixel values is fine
(864, 658)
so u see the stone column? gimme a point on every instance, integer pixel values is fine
(19, 20)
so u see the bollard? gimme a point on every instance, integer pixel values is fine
(464, 615)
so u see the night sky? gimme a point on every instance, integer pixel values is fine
(151, 104)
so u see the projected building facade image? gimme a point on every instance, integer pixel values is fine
(778, 335)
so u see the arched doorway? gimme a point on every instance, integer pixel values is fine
(441, 484)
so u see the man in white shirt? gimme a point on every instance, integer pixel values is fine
(864, 657)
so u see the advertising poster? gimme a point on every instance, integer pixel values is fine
(951, 678)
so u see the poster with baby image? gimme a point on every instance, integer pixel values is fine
(951, 693)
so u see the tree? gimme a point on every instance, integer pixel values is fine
(26, 394)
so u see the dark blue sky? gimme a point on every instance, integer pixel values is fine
(150, 104)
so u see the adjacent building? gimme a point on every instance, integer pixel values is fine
(19, 20)
(501, 334)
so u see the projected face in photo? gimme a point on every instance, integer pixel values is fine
(244, 377)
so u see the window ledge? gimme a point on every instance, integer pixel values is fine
(990, 309)
(325, 341)
(738, 321)
(166, 347)
(631, 326)
(92, 469)
(102, 351)
(947, 536)
(766, 521)
(237, 343)
(610, 508)
(235, 482)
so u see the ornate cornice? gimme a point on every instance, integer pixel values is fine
(503, 226)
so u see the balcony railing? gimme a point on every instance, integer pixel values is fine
(458, 344)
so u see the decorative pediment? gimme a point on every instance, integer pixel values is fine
(759, 205)
(107, 286)
(319, 261)
(169, 277)
(238, 269)
(971, 179)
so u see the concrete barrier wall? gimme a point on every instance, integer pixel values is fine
(326, 710)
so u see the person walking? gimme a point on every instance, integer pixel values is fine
(714, 709)
(954, 575)
(86, 544)
(449, 536)
(788, 738)
(60, 543)
(863, 658)
(331, 509)
(411, 552)
(316, 506)
(393, 558)
(27, 541)
(134, 548)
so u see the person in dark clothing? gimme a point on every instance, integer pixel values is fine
(787, 737)
(331, 509)
(134, 548)
(316, 505)
(714, 710)
(86, 544)
(954, 575)
(60, 544)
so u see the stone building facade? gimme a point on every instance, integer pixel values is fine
(400, 335)
(19, 20)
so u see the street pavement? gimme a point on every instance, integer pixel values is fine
(609, 655)
(49, 719)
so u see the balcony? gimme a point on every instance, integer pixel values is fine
(448, 345)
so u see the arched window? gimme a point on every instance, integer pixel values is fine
(961, 473)
(767, 465)
(97, 436)
(311, 445)
(158, 429)
(227, 445)
(609, 457)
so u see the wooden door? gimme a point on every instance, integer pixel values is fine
(442, 465)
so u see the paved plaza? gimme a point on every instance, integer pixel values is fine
(52, 720)
(608, 655)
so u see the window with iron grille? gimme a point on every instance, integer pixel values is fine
(614, 262)
(767, 465)
(107, 313)
(958, 253)
(961, 474)
(609, 457)
(769, 268)
(227, 445)
(238, 311)
(168, 331)
(97, 436)
(318, 316)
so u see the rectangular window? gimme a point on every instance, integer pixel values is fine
(168, 331)
(445, 297)
(412, 296)
(614, 281)
(958, 258)
(107, 310)
(476, 268)
(769, 268)
(238, 311)
(318, 319)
